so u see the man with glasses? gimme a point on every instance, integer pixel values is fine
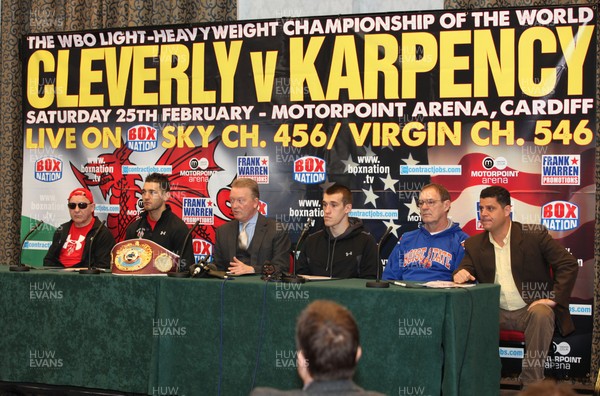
(71, 242)
(158, 223)
(433, 251)
(343, 248)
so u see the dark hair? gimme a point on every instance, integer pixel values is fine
(345, 191)
(159, 178)
(442, 191)
(247, 183)
(500, 193)
(327, 335)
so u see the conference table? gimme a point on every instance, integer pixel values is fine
(159, 335)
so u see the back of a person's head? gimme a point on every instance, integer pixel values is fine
(548, 388)
(328, 336)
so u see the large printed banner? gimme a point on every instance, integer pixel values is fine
(381, 103)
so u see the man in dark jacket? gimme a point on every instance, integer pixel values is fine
(535, 273)
(159, 224)
(343, 249)
(71, 243)
(328, 350)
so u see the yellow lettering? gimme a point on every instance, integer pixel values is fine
(40, 94)
(450, 63)
(344, 56)
(89, 76)
(414, 62)
(302, 68)
(264, 74)
(142, 74)
(575, 49)
(199, 94)
(486, 59)
(174, 61)
(529, 83)
(62, 81)
(116, 81)
(375, 45)
(227, 63)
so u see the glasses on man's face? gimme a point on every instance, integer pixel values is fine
(428, 202)
(81, 205)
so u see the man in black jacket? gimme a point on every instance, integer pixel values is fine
(158, 223)
(343, 249)
(328, 350)
(72, 240)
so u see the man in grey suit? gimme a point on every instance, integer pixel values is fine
(243, 245)
(328, 349)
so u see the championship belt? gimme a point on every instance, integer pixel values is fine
(142, 257)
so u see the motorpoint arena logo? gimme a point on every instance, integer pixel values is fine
(310, 170)
(499, 163)
(142, 138)
(48, 169)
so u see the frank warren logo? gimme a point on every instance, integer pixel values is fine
(48, 169)
(413, 327)
(254, 167)
(44, 359)
(561, 170)
(197, 209)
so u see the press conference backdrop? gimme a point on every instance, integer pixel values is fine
(383, 103)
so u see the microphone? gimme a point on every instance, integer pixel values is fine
(378, 283)
(21, 267)
(184, 274)
(212, 271)
(293, 278)
(90, 269)
(200, 268)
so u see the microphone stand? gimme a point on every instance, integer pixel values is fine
(21, 267)
(183, 274)
(90, 269)
(378, 283)
(293, 278)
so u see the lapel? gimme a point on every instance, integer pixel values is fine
(259, 234)
(233, 237)
(488, 255)
(516, 256)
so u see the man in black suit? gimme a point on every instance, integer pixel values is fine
(246, 243)
(328, 350)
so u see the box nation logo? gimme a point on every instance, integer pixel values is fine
(310, 170)
(48, 169)
(142, 138)
(560, 215)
